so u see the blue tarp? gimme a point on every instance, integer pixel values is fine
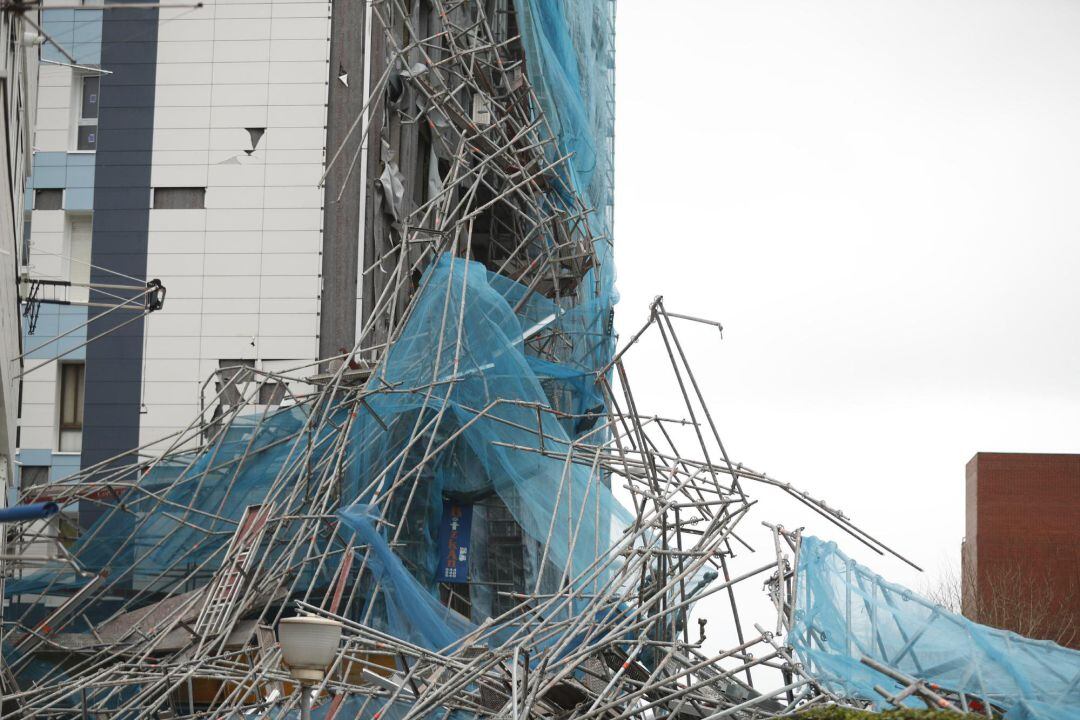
(845, 612)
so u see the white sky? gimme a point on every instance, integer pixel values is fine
(881, 202)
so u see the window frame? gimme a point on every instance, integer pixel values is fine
(78, 120)
(78, 423)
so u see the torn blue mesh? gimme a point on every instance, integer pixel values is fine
(178, 521)
(462, 352)
(515, 373)
(413, 613)
(570, 60)
(845, 612)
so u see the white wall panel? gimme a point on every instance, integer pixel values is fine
(239, 73)
(185, 29)
(174, 265)
(244, 272)
(291, 241)
(282, 347)
(288, 175)
(227, 50)
(292, 219)
(245, 28)
(177, 220)
(248, 94)
(178, 175)
(230, 306)
(299, 50)
(290, 116)
(172, 324)
(300, 28)
(231, 286)
(300, 9)
(184, 73)
(306, 196)
(234, 241)
(230, 325)
(176, 139)
(51, 140)
(182, 117)
(169, 370)
(297, 94)
(234, 197)
(188, 51)
(233, 219)
(182, 95)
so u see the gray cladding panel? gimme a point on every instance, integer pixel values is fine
(121, 222)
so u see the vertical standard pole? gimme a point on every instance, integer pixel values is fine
(305, 702)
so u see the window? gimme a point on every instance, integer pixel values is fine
(32, 475)
(79, 234)
(271, 393)
(89, 94)
(180, 198)
(232, 374)
(50, 199)
(72, 395)
(26, 240)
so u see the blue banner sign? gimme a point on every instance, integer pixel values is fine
(454, 542)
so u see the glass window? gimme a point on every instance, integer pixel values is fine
(32, 475)
(179, 198)
(91, 85)
(49, 199)
(87, 137)
(72, 397)
(26, 240)
(89, 100)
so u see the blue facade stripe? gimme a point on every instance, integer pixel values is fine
(121, 225)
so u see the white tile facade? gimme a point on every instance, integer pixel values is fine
(243, 273)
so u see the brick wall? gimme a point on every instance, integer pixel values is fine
(1022, 548)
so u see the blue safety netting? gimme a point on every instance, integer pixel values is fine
(461, 353)
(514, 371)
(570, 56)
(461, 357)
(845, 612)
(183, 512)
(414, 612)
(570, 61)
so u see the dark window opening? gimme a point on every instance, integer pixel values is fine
(32, 475)
(91, 86)
(180, 198)
(271, 393)
(50, 199)
(505, 557)
(87, 139)
(26, 241)
(89, 101)
(72, 397)
(232, 374)
(456, 597)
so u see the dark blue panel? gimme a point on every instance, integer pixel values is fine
(455, 540)
(121, 222)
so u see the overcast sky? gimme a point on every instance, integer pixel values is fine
(881, 203)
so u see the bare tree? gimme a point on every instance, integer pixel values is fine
(1032, 601)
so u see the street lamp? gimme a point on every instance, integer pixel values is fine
(308, 646)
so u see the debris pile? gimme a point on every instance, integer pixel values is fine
(472, 491)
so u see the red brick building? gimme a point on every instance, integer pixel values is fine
(1021, 552)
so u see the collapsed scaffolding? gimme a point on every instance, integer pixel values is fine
(485, 408)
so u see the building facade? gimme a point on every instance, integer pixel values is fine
(184, 144)
(18, 68)
(1021, 551)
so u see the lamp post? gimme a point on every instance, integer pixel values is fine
(308, 646)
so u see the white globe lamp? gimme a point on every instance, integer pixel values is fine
(308, 646)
